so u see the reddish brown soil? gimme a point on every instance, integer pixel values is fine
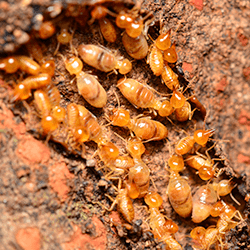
(51, 199)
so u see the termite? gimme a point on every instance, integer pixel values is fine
(204, 238)
(54, 95)
(184, 113)
(107, 29)
(226, 212)
(79, 132)
(138, 94)
(204, 165)
(135, 47)
(203, 200)
(98, 12)
(91, 90)
(155, 57)
(155, 60)
(141, 96)
(88, 86)
(169, 77)
(109, 154)
(28, 65)
(12, 63)
(139, 174)
(184, 145)
(163, 229)
(198, 105)
(49, 122)
(132, 22)
(178, 190)
(23, 89)
(124, 204)
(47, 30)
(102, 59)
(89, 122)
(224, 187)
(144, 128)
(35, 50)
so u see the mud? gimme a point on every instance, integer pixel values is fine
(52, 197)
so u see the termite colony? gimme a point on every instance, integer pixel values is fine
(67, 121)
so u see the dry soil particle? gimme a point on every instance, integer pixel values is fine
(96, 239)
(29, 238)
(32, 151)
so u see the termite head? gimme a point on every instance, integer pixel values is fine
(124, 66)
(119, 117)
(135, 147)
(21, 92)
(153, 199)
(201, 136)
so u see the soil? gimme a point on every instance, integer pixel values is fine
(52, 197)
